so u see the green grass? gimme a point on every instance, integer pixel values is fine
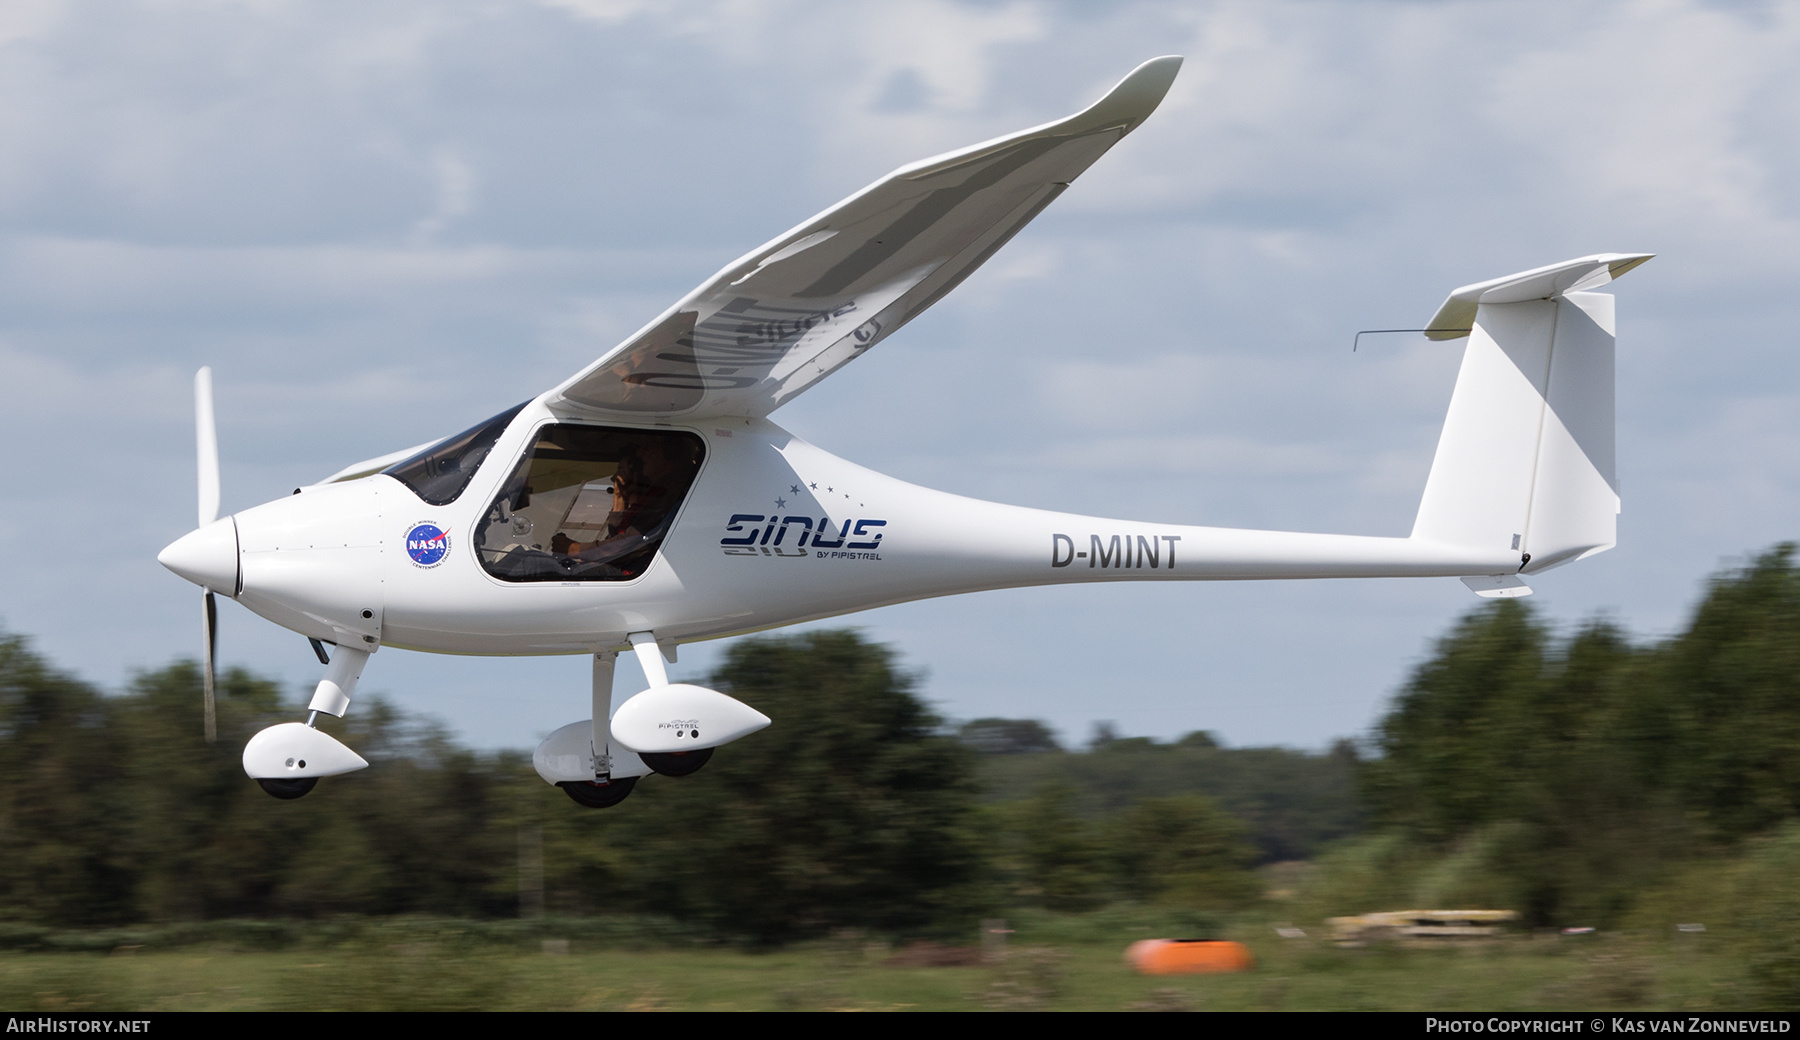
(1056, 962)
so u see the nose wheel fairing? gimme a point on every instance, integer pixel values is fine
(296, 751)
(289, 758)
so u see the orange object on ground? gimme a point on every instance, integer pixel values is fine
(1188, 956)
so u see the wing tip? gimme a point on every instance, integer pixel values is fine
(1131, 101)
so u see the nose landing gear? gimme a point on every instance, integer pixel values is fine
(287, 760)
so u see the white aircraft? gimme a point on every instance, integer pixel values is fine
(648, 501)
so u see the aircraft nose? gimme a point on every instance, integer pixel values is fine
(206, 556)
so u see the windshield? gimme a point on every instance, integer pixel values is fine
(588, 503)
(439, 473)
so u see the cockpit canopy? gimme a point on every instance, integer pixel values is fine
(588, 503)
(439, 473)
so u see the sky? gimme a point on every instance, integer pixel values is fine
(381, 223)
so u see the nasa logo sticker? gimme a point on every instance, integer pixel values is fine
(427, 544)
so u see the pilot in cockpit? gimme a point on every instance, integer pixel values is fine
(646, 488)
(622, 518)
(639, 503)
(611, 494)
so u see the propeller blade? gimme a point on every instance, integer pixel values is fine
(206, 443)
(207, 438)
(210, 618)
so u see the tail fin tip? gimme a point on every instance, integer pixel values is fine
(1456, 316)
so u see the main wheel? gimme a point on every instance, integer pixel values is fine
(597, 795)
(677, 763)
(288, 790)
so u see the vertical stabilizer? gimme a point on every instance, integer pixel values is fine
(1525, 462)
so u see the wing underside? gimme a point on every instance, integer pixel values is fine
(792, 312)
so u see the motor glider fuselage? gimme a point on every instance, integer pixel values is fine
(772, 531)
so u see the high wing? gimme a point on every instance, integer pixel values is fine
(790, 313)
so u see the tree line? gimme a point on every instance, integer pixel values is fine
(859, 808)
(1557, 774)
(1569, 773)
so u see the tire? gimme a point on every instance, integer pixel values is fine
(599, 795)
(677, 763)
(288, 790)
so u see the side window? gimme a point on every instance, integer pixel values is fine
(439, 473)
(588, 503)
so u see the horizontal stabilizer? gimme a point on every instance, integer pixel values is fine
(1456, 317)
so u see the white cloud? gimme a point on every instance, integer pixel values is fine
(1658, 116)
(29, 19)
(455, 194)
(606, 12)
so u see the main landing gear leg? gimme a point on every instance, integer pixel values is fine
(607, 788)
(287, 760)
(604, 661)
